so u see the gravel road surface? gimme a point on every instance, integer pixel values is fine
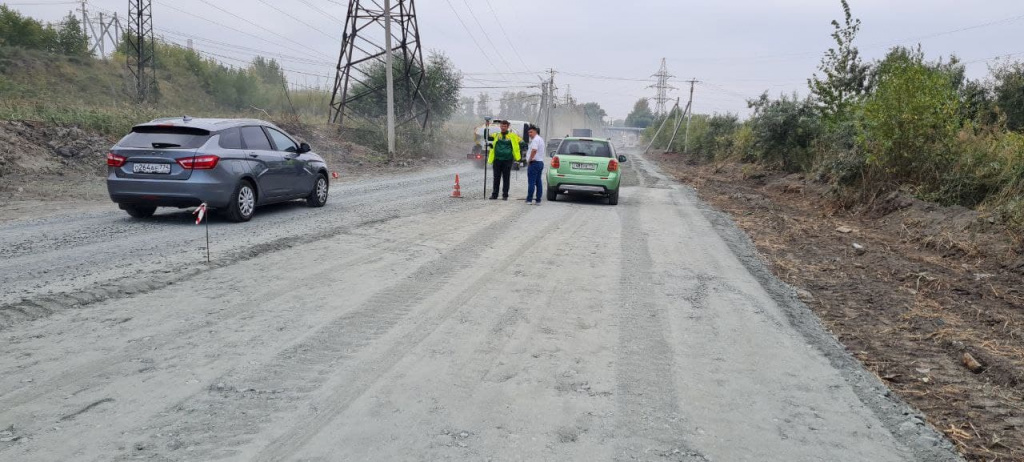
(399, 324)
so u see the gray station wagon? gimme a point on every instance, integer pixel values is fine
(233, 165)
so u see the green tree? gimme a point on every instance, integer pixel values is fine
(268, 71)
(483, 105)
(19, 31)
(844, 74)
(641, 116)
(517, 105)
(71, 38)
(440, 88)
(783, 132)
(467, 104)
(594, 113)
(911, 119)
(1008, 92)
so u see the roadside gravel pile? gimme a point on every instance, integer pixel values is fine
(38, 148)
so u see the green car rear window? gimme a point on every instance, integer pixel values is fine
(589, 148)
(156, 137)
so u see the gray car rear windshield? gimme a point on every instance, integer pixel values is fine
(591, 148)
(155, 137)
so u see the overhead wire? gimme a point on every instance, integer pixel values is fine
(501, 27)
(471, 36)
(225, 26)
(254, 51)
(240, 18)
(317, 9)
(501, 56)
(299, 20)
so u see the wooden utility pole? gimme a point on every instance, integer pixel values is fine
(689, 109)
(548, 124)
(85, 22)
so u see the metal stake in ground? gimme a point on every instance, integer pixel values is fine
(200, 213)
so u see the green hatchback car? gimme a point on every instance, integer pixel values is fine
(585, 165)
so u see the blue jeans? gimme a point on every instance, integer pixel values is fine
(534, 180)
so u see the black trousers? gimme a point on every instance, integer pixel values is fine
(502, 170)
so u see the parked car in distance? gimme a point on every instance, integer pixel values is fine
(585, 165)
(232, 165)
(552, 146)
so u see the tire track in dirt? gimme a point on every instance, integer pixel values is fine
(486, 357)
(304, 367)
(370, 371)
(648, 405)
(97, 370)
(40, 306)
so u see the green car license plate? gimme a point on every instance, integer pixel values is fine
(584, 166)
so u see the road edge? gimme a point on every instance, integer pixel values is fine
(907, 424)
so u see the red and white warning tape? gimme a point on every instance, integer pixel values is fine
(200, 213)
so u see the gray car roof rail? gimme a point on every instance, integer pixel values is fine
(208, 124)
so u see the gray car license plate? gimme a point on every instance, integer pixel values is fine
(152, 168)
(582, 166)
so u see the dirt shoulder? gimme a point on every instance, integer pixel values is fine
(910, 289)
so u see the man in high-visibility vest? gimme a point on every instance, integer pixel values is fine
(504, 152)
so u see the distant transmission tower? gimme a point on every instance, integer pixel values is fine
(141, 48)
(364, 45)
(661, 98)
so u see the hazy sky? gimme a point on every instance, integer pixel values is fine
(606, 50)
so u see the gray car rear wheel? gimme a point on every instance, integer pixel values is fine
(139, 211)
(243, 202)
(318, 197)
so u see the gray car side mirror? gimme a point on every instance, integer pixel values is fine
(622, 158)
(304, 148)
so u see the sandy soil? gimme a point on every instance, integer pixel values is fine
(397, 323)
(929, 285)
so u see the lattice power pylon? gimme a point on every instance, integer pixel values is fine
(363, 47)
(661, 98)
(141, 48)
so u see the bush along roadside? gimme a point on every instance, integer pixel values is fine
(903, 123)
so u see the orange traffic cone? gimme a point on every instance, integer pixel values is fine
(457, 192)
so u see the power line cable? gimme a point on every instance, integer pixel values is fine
(317, 9)
(471, 36)
(301, 45)
(254, 51)
(487, 36)
(299, 20)
(504, 33)
(225, 26)
(41, 3)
